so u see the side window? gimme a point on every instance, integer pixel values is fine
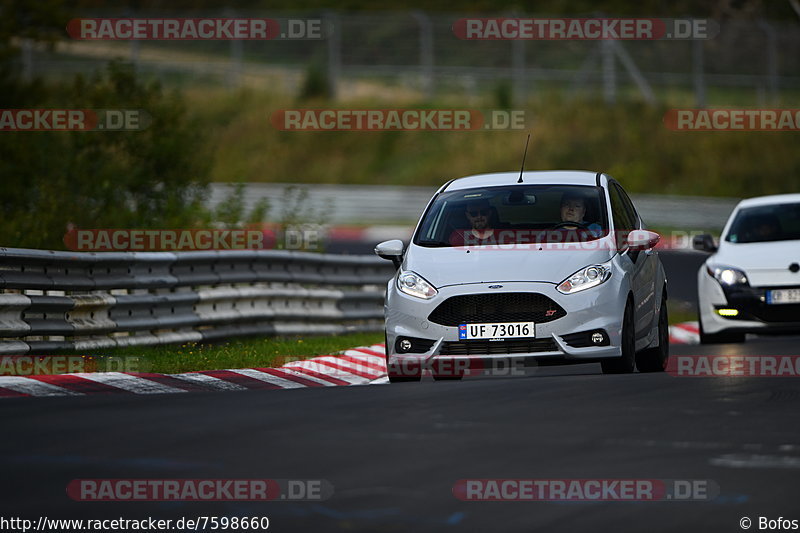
(628, 206)
(623, 221)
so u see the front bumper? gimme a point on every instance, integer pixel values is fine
(596, 309)
(755, 315)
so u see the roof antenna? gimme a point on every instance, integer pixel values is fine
(521, 170)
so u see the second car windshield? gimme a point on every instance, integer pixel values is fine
(514, 214)
(778, 222)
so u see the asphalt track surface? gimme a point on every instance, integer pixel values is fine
(394, 452)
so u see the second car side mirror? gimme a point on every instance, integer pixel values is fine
(704, 243)
(642, 239)
(391, 250)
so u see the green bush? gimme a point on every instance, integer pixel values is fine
(153, 178)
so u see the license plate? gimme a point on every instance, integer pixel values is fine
(783, 296)
(501, 330)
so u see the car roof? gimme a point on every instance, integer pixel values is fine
(541, 177)
(769, 200)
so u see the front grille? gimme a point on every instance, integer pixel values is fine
(774, 314)
(508, 346)
(777, 313)
(748, 301)
(500, 307)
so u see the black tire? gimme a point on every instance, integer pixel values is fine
(403, 379)
(444, 370)
(655, 359)
(626, 363)
(718, 338)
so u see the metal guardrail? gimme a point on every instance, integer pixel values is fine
(55, 301)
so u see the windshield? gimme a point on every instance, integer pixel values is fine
(514, 214)
(764, 223)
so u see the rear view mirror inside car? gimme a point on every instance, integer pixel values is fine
(519, 197)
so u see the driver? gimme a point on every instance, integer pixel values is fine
(479, 215)
(767, 228)
(573, 209)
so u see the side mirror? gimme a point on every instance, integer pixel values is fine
(642, 239)
(704, 243)
(391, 250)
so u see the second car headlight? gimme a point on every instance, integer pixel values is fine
(413, 284)
(586, 278)
(727, 275)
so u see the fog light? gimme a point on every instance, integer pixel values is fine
(597, 337)
(405, 345)
(728, 312)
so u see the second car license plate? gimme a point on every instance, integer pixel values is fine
(502, 330)
(783, 296)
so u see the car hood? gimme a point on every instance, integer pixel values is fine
(456, 266)
(764, 263)
(775, 254)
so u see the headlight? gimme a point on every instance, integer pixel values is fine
(727, 275)
(586, 278)
(413, 284)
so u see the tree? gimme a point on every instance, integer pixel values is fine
(156, 177)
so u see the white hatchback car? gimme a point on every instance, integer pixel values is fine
(751, 282)
(545, 266)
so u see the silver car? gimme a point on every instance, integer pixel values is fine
(552, 267)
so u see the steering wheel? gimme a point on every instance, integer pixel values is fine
(571, 225)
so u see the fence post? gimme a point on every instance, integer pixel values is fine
(609, 71)
(698, 73)
(636, 75)
(581, 78)
(425, 52)
(334, 53)
(234, 77)
(772, 61)
(133, 45)
(27, 59)
(518, 71)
